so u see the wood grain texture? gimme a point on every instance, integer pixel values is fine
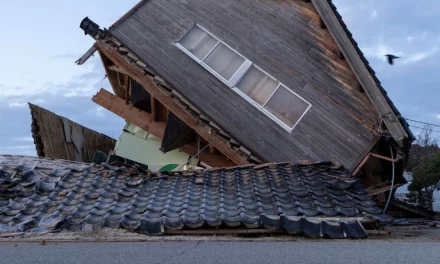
(364, 76)
(53, 136)
(156, 92)
(146, 121)
(284, 38)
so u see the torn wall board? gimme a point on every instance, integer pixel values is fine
(57, 137)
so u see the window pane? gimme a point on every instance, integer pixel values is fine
(198, 42)
(224, 61)
(286, 106)
(257, 85)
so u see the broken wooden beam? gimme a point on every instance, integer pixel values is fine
(89, 53)
(117, 69)
(145, 121)
(150, 85)
(365, 160)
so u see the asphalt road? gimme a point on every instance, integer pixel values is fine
(222, 252)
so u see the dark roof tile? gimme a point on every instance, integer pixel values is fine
(80, 197)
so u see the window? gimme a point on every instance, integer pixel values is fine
(215, 56)
(199, 43)
(224, 61)
(286, 106)
(257, 86)
(266, 93)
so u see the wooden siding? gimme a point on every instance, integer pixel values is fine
(284, 39)
(364, 76)
(55, 137)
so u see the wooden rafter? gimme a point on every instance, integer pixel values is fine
(117, 69)
(149, 85)
(145, 121)
(133, 115)
(87, 55)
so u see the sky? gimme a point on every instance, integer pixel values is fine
(41, 41)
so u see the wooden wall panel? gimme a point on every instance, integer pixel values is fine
(52, 141)
(285, 39)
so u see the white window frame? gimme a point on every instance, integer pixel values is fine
(239, 75)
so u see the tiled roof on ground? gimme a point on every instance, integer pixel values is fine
(315, 200)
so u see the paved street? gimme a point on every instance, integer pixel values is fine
(222, 252)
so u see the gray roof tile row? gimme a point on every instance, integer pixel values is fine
(315, 200)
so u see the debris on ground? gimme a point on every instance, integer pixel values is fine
(316, 200)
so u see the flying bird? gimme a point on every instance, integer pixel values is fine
(391, 58)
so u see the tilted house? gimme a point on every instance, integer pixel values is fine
(255, 81)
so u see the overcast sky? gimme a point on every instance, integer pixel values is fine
(41, 40)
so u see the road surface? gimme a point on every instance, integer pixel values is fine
(330, 252)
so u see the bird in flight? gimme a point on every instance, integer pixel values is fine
(391, 58)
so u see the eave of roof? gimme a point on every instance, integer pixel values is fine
(176, 103)
(402, 121)
(370, 69)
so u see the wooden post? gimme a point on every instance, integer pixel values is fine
(145, 121)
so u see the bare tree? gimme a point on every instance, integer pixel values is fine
(424, 164)
(425, 138)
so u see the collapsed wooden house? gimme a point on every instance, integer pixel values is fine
(39, 195)
(242, 82)
(57, 137)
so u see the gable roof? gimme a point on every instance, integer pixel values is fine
(390, 115)
(120, 47)
(316, 200)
